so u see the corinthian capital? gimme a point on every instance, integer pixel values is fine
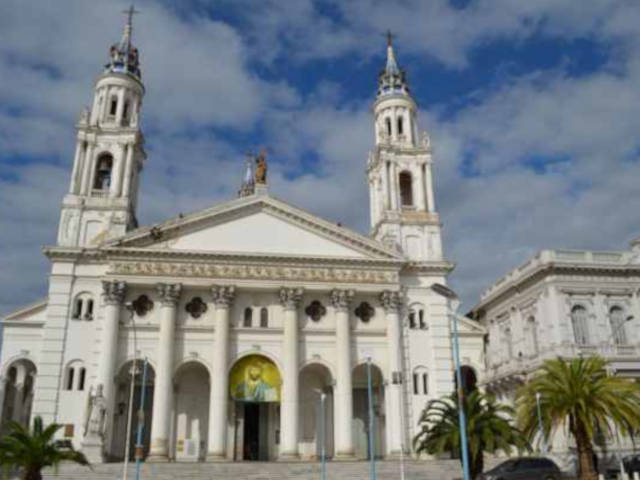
(169, 293)
(113, 291)
(223, 295)
(391, 301)
(290, 297)
(341, 299)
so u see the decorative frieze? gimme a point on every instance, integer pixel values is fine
(290, 297)
(255, 272)
(391, 300)
(223, 295)
(169, 294)
(113, 291)
(341, 299)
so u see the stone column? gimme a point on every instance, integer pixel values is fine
(289, 403)
(113, 293)
(391, 302)
(128, 171)
(87, 166)
(73, 187)
(431, 201)
(343, 399)
(169, 296)
(219, 398)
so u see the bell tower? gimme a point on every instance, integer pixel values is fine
(109, 156)
(402, 206)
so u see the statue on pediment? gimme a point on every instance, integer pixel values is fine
(260, 172)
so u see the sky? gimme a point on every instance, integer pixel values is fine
(532, 108)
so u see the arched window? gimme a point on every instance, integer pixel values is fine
(579, 323)
(125, 113)
(88, 315)
(113, 106)
(507, 342)
(104, 166)
(420, 381)
(248, 314)
(400, 126)
(406, 193)
(77, 308)
(533, 335)
(387, 122)
(83, 374)
(70, 373)
(412, 319)
(616, 320)
(469, 379)
(264, 317)
(423, 322)
(425, 383)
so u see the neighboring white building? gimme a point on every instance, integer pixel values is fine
(251, 299)
(563, 303)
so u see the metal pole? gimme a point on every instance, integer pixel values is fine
(324, 440)
(129, 420)
(372, 454)
(461, 415)
(401, 386)
(542, 435)
(141, 419)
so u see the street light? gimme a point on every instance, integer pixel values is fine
(323, 470)
(454, 303)
(372, 454)
(398, 379)
(130, 309)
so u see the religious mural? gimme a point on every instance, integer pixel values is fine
(255, 379)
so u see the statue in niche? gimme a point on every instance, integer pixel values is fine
(260, 173)
(96, 418)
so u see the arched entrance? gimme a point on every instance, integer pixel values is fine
(361, 411)
(121, 409)
(191, 422)
(315, 379)
(254, 386)
(18, 393)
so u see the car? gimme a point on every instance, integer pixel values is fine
(524, 468)
(631, 463)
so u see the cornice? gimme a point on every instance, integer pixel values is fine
(557, 268)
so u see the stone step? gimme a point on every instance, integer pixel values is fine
(386, 470)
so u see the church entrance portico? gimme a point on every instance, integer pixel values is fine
(17, 394)
(121, 410)
(191, 420)
(316, 425)
(255, 389)
(361, 412)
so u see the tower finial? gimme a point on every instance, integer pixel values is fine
(124, 56)
(391, 79)
(389, 38)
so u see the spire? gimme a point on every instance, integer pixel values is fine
(123, 55)
(391, 79)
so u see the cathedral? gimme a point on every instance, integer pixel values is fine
(250, 330)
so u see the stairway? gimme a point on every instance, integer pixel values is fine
(386, 470)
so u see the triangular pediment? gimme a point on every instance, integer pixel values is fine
(259, 225)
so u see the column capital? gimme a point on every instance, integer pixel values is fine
(391, 301)
(341, 299)
(113, 291)
(223, 295)
(290, 297)
(169, 293)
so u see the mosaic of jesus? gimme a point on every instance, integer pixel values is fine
(255, 379)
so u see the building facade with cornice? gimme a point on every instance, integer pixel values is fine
(563, 303)
(250, 315)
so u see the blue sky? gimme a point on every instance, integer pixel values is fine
(532, 108)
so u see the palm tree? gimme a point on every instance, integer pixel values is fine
(489, 428)
(579, 393)
(33, 450)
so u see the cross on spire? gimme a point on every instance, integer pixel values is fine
(130, 12)
(389, 36)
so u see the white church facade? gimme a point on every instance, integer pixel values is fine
(246, 312)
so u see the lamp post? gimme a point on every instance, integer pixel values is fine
(454, 303)
(138, 447)
(372, 454)
(323, 440)
(129, 307)
(398, 379)
(612, 340)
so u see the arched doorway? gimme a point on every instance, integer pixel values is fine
(361, 411)
(255, 387)
(121, 409)
(315, 380)
(191, 427)
(18, 393)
